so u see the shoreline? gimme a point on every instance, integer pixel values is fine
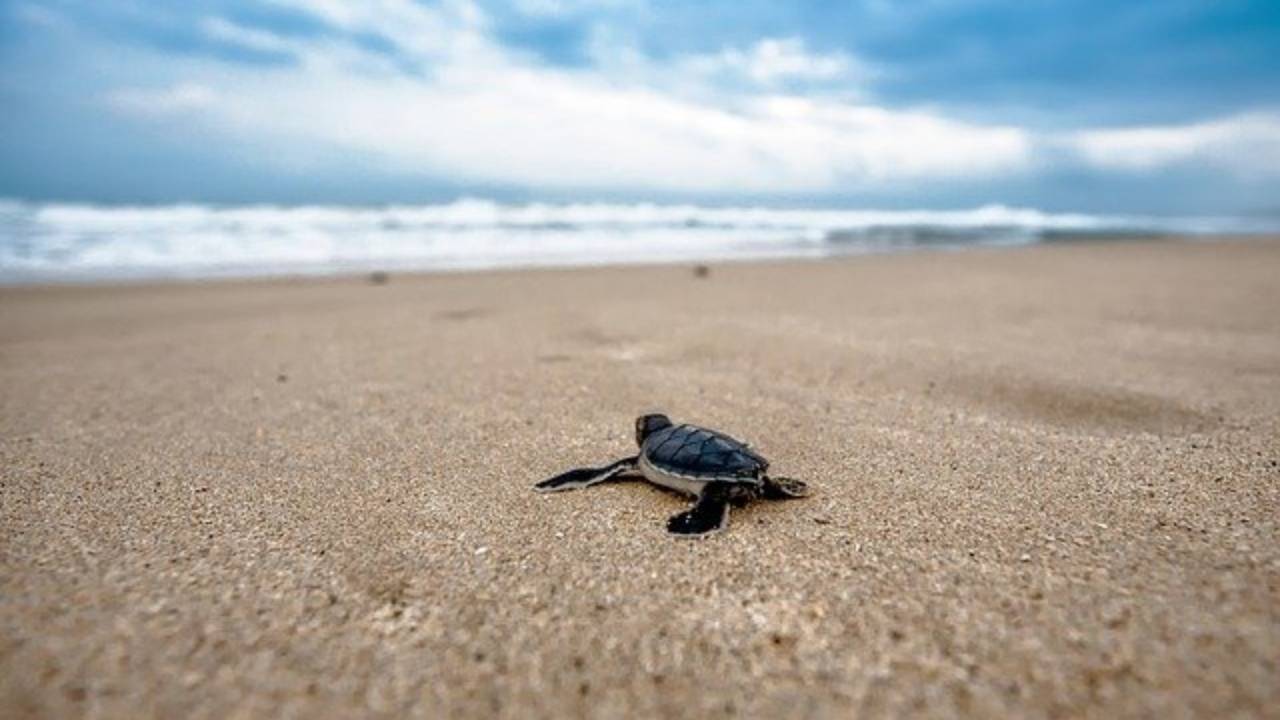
(143, 277)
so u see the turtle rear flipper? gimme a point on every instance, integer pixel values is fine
(710, 514)
(784, 488)
(585, 477)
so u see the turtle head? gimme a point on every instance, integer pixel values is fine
(646, 425)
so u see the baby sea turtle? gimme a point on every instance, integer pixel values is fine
(712, 467)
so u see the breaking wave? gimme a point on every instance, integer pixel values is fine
(72, 242)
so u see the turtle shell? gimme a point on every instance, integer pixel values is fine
(691, 451)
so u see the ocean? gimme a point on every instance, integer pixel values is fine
(69, 242)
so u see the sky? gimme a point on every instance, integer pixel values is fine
(1166, 107)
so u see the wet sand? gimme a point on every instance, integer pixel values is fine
(1046, 485)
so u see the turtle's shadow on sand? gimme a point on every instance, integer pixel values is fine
(738, 512)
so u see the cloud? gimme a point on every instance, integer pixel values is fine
(478, 112)
(450, 30)
(772, 60)
(564, 8)
(223, 30)
(542, 128)
(1247, 144)
(178, 99)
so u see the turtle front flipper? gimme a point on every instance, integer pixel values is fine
(783, 488)
(585, 477)
(710, 514)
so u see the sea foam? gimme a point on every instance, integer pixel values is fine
(71, 242)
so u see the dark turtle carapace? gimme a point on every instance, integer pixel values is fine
(715, 469)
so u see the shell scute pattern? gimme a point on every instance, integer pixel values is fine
(698, 452)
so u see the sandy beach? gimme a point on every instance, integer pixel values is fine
(1046, 484)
